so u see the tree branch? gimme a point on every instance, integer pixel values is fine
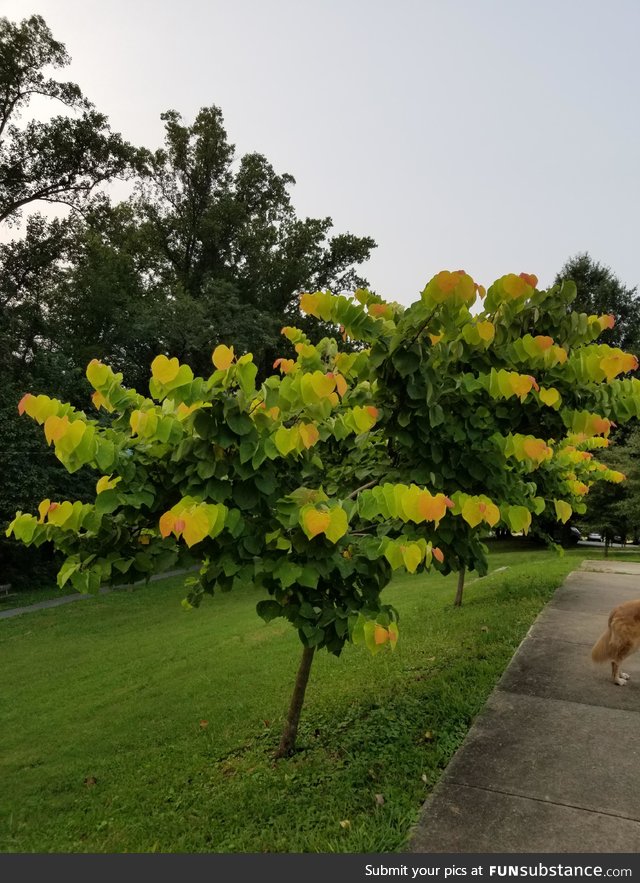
(354, 494)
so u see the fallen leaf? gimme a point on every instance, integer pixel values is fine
(346, 824)
(380, 799)
(204, 724)
(424, 778)
(90, 781)
(428, 736)
(484, 628)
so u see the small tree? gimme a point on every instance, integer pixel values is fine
(496, 410)
(217, 471)
(312, 487)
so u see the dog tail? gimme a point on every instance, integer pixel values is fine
(602, 648)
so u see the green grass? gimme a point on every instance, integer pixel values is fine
(102, 747)
(26, 597)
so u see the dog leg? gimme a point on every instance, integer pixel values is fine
(617, 678)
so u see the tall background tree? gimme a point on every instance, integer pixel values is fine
(61, 160)
(231, 252)
(600, 291)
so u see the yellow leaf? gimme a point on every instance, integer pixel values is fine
(521, 384)
(97, 373)
(167, 522)
(286, 366)
(43, 509)
(471, 512)
(338, 524)
(101, 401)
(164, 370)
(106, 483)
(412, 556)
(322, 384)
(308, 434)
(286, 440)
(24, 403)
(222, 357)
(491, 514)
(60, 512)
(535, 449)
(515, 286)
(197, 525)
(341, 384)
(314, 521)
(543, 342)
(563, 510)
(549, 397)
(611, 366)
(380, 634)
(55, 427)
(486, 330)
(309, 304)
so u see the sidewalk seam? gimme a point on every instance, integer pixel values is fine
(554, 699)
(596, 812)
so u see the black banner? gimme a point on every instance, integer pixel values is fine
(310, 868)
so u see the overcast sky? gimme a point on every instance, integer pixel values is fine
(491, 135)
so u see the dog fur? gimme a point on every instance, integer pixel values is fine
(621, 638)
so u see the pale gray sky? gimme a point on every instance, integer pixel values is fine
(491, 135)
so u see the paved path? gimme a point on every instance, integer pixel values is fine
(552, 764)
(79, 596)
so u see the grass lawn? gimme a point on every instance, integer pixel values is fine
(129, 725)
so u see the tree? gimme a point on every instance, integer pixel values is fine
(614, 510)
(233, 253)
(600, 291)
(265, 485)
(64, 159)
(464, 413)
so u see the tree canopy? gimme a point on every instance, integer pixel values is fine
(61, 160)
(600, 291)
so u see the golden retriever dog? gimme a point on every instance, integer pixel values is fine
(621, 638)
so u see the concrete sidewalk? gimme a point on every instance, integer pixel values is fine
(552, 764)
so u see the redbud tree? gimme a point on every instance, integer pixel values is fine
(341, 467)
(500, 409)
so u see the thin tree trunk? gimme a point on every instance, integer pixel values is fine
(288, 740)
(458, 601)
(606, 547)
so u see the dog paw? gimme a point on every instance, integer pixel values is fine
(623, 674)
(620, 682)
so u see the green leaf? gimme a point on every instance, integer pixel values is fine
(246, 376)
(67, 570)
(240, 423)
(269, 610)
(287, 573)
(107, 502)
(308, 577)
(405, 361)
